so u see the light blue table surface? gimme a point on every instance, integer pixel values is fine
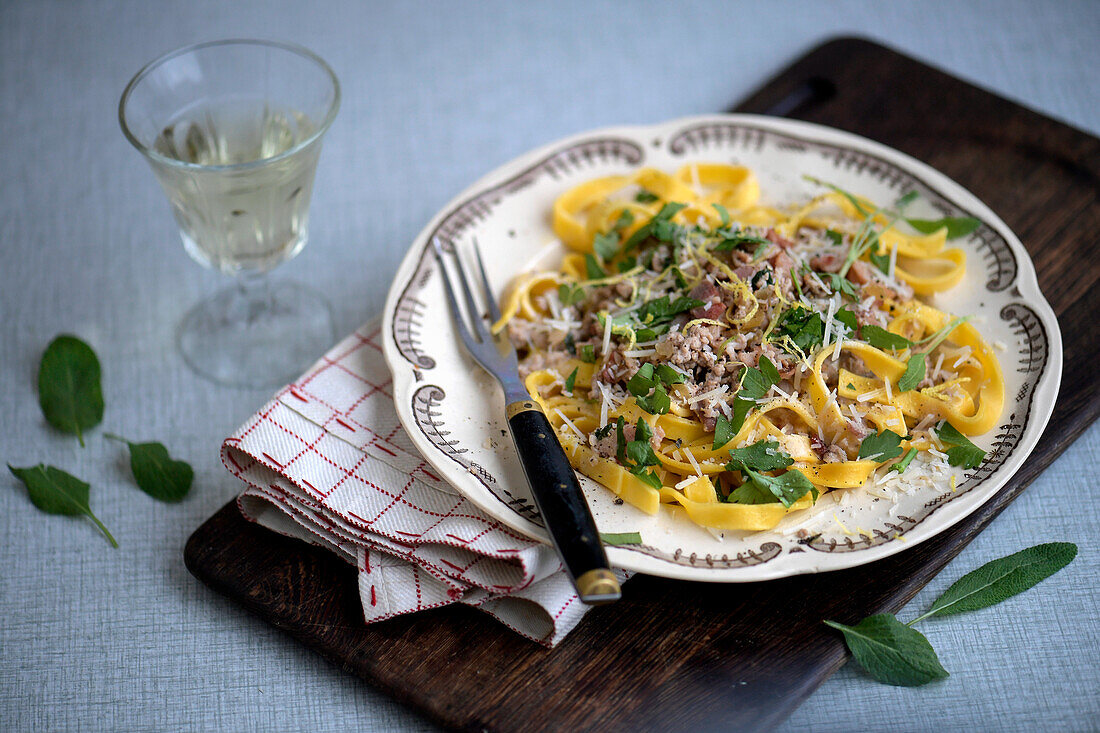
(435, 95)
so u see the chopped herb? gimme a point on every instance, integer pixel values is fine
(642, 381)
(626, 218)
(669, 210)
(804, 327)
(640, 235)
(914, 373)
(848, 318)
(883, 446)
(758, 280)
(882, 262)
(620, 440)
(851, 386)
(768, 370)
(788, 487)
(657, 403)
(661, 308)
(646, 197)
(592, 268)
(962, 452)
(736, 239)
(723, 214)
(648, 477)
(681, 281)
(603, 432)
(570, 293)
(628, 264)
(797, 284)
(834, 236)
(880, 338)
(606, 245)
(903, 464)
(665, 230)
(668, 375)
(956, 226)
(723, 432)
(571, 380)
(765, 455)
(760, 250)
(570, 344)
(587, 353)
(841, 285)
(613, 539)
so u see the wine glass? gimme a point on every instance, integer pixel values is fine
(232, 130)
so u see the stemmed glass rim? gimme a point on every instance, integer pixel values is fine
(302, 51)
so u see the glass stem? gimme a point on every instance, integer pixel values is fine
(254, 297)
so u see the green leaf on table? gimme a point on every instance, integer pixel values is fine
(1003, 578)
(961, 452)
(892, 652)
(956, 226)
(68, 386)
(914, 372)
(613, 539)
(56, 492)
(883, 446)
(156, 473)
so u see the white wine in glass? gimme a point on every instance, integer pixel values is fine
(232, 130)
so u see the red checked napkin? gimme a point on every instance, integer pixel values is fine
(328, 462)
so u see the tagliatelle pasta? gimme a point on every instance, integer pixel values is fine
(701, 349)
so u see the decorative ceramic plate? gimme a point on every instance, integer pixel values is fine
(454, 411)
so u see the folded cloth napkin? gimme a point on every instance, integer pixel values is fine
(328, 462)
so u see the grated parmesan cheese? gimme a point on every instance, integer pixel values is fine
(569, 422)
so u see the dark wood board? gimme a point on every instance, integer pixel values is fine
(674, 655)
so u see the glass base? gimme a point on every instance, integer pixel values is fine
(256, 334)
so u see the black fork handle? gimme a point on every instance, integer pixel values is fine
(561, 502)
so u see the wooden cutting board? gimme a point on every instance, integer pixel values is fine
(674, 655)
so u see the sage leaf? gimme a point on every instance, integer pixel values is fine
(69, 391)
(1003, 578)
(56, 492)
(892, 652)
(156, 473)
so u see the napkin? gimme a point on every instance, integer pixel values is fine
(327, 461)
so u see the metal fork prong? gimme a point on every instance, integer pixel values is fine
(494, 310)
(463, 331)
(480, 327)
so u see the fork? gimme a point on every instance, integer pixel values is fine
(553, 483)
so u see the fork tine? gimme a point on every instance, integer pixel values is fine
(456, 312)
(480, 328)
(494, 310)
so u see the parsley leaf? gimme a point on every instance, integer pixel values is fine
(592, 268)
(804, 327)
(880, 338)
(788, 487)
(848, 318)
(834, 236)
(883, 446)
(628, 264)
(626, 218)
(963, 453)
(882, 262)
(723, 214)
(570, 293)
(736, 239)
(768, 371)
(646, 197)
(648, 477)
(765, 455)
(842, 285)
(750, 493)
(956, 226)
(723, 432)
(661, 308)
(656, 404)
(669, 210)
(606, 245)
(571, 380)
(668, 375)
(914, 373)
